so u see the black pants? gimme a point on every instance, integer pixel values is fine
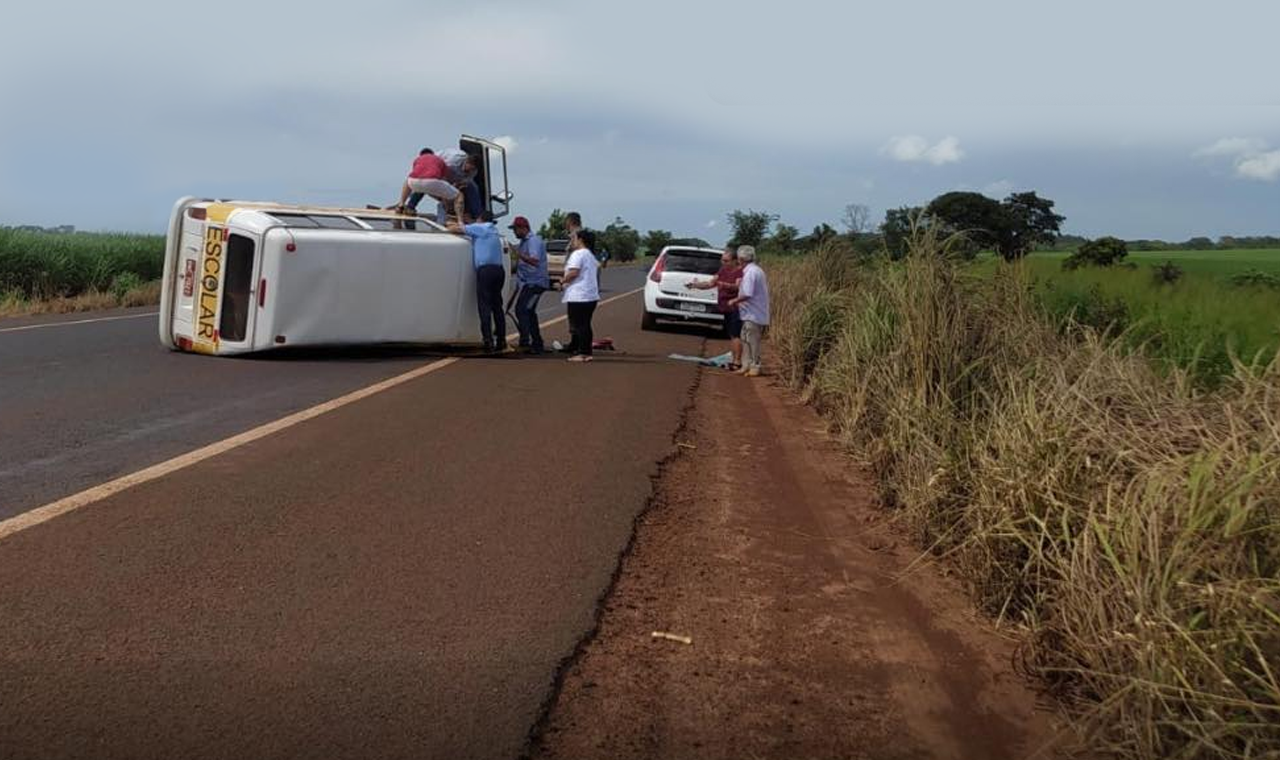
(580, 336)
(493, 321)
(527, 316)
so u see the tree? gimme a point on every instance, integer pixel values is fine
(1103, 252)
(896, 229)
(620, 240)
(823, 233)
(554, 228)
(982, 221)
(749, 227)
(784, 238)
(655, 241)
(1030, 223)
(856, 219)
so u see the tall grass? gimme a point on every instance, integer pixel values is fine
(39, 265)
(1127, 521)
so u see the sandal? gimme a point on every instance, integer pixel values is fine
(733, 367)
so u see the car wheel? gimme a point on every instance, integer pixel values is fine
(648, 322)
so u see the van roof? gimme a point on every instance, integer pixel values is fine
(219, 211)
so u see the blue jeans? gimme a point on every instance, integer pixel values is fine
(493, 321)
(442, 214)
(527, 316)
(471, 203)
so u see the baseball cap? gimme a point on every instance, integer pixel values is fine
(520, 221)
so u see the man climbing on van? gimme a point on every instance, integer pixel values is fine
(463, 168)
(429, 175)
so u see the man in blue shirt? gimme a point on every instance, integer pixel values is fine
(486, 255)
(532, 279)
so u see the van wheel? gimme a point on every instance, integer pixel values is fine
(648, 322)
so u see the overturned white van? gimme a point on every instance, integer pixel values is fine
(244, 276)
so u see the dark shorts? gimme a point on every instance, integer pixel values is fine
(733, 323)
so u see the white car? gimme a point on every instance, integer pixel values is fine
(665, 294)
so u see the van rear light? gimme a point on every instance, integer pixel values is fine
(280, 339)
(184, 344)
(262, 293)
(656, 273)
(198, 213)
(290, 247)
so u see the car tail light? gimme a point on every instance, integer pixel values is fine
(656, 273)
(262, 293)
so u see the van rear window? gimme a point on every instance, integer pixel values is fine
(236, 283)
(692, 263)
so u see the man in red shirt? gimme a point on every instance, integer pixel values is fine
(429, 175)
(726, 285)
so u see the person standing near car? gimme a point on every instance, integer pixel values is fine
(581, 293)
(486, 255)
(726, 284)
(532, 281)
(572, 223)
(752, 303)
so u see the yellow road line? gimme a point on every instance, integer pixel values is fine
(97, 493)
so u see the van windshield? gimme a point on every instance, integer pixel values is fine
(692, 262)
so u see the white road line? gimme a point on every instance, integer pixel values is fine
(77, 322)
(97, 493)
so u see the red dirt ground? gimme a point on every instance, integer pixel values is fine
(809, 637)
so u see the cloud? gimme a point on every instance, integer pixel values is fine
(914, 148)
(1232, 146)
(1249, 156)
(1263, 166)
(508, 143)
(998, 189)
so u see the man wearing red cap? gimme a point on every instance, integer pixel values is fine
(532, 281)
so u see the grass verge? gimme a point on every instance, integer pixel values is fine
(14, 304)
(1126, 519)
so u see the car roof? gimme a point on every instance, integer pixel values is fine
(693, 249)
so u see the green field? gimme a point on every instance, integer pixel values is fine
(1202, 322)
(1209, 262)
(43, 265)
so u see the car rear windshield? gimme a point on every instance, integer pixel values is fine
(693, 262)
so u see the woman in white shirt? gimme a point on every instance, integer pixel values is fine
(581, 289)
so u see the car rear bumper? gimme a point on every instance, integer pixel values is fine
(670, 308)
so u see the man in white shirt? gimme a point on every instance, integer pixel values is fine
(753, 307)
(581, 292)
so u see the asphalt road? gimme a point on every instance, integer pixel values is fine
(85, 402)
(400, 577)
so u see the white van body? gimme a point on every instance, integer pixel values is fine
(243, 276)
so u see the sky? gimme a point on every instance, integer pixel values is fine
(1139, 118)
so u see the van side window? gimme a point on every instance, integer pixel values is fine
(316, 220)
(390, 225)
(236, 283)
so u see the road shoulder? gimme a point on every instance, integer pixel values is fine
(810, 638)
